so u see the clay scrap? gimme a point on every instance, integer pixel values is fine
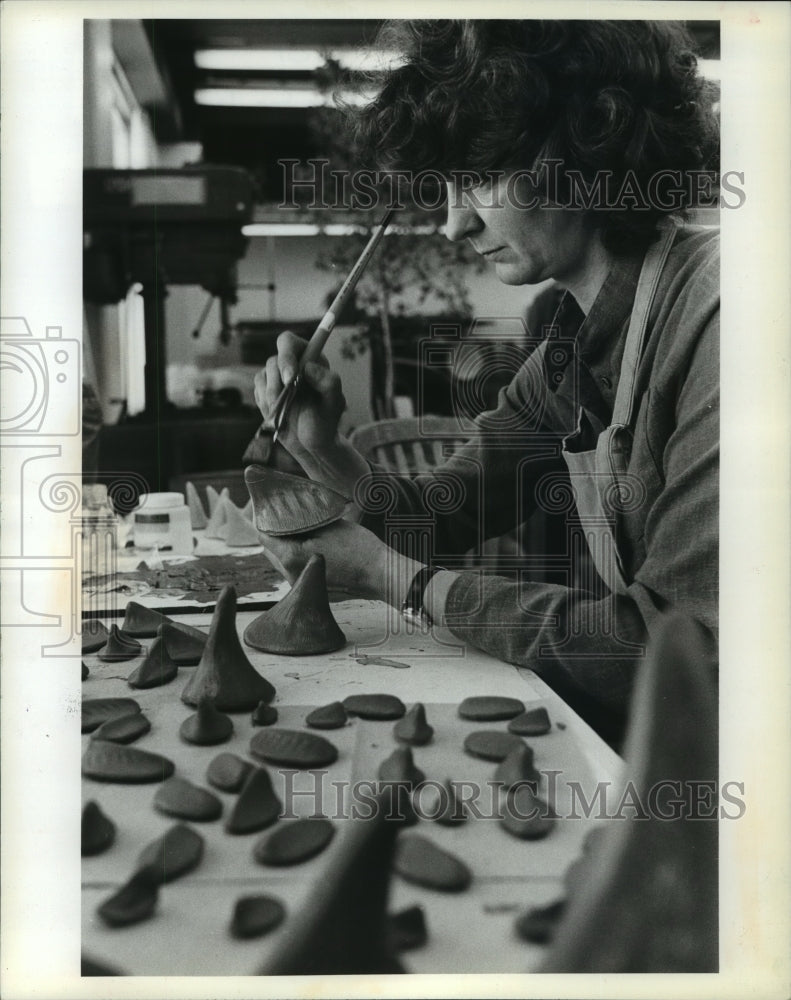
(98, 830)
(104, 761)
(173, 854)
(180, 798)
(254, 916)
(533, 722)
(419, 860)
(228, 772)
(332, 716)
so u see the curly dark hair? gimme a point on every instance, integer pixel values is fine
(619, 96)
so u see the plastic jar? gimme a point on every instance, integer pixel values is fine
(162, 521)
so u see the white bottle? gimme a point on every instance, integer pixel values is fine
(162, 521)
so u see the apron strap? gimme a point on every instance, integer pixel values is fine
(638, 324)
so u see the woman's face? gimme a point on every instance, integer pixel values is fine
(526, 244)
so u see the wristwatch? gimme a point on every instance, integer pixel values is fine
(412, 609)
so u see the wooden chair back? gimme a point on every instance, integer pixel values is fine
(409, 444)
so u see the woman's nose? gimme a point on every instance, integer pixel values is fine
(463, 221)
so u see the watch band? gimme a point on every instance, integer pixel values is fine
(412, 609)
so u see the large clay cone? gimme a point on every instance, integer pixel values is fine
(197, 512)
(302, 622)
(238, 530)
(290, 505)
(343, 929)
(218, 516)
(142, 622)
(224, 673)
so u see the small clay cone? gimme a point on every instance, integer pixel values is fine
(218, 516)
(184, 644)
(207, 726)
(224, 672)
(156, 669)
(413, 728)
(197, 512)
(142, 622)
(517, 767)
(119, 647)
(98, 830)
(213, 499)
(453, 811)
(344, 928)
(264, 715)
(400, 767)
(302, 622)
(238, 530)
(258, 805)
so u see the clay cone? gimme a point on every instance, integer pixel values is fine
(156, 669)
(185, 645)
(238, 530)
(517, 767)
(224, 673)
(94, 635)
(207, 726)
(142, 622)
(301, 623)
(213, 498)
(119, 647)
(413, 728)
(218, 516)
(248, 511)
(197, 513)
(291, 505)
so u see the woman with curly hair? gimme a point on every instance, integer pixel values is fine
(570, 150)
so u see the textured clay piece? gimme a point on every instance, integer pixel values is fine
(538, 924)
(98, 830)
(94, 635)
(96, 711)
(419, 860)
(104, 761)
(332, 716)
(257, 806)
(213, 499)
(413, 728)
(264, 715)
(228, 772)
(197, 511)
(407, 928)
(218, 515)
(142, 622)
(125, 729)
(525, 815)
(119, 647)
(156, 669)
(301, 624)
(294, 842)
(173, 854)
(491, 744)
(238, 530)
(490, 709)
(184, 644)
(224, 672)
(293, 748)
(254, 916)
(533, 722)
(85, 670)
(517, 767)
(447, 809)
(180, 798)
(374, 706)
(291, 505)
(400, 767)
(207, 726)
(133, 902)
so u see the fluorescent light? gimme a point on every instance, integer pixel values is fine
(276, 97)
(332, 229)
(295, 59)
(280, 229)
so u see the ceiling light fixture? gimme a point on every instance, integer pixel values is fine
(295, 59)
(276, 97)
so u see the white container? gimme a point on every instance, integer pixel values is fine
(162, 521)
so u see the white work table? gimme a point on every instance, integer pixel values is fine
(468, 932)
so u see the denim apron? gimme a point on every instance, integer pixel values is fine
(599, 478)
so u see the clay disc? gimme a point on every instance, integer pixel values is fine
(173, 854)
(419, 860)
(294, 842)
(525, 815)
(374, 706)
(105, 761)
(257, 806)
(407, 929)
(254, 916)
(180, 798)
(96, 711)
(94, 635)
(490, 709)
(332, 716)
(533, 722)
(490, 744)
(133, 902)
(293, 748)
(228, 772)
(125, 729)
(98, 830)
(539, 923)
